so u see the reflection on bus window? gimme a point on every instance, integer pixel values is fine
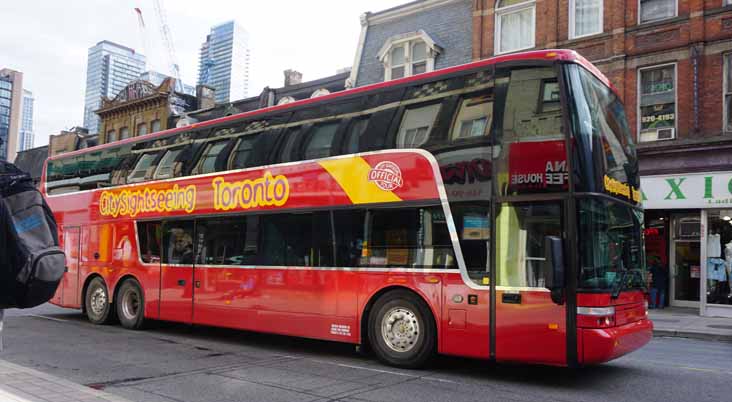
(472, 222)
(319, 144)
(521, 230)
(532, 155)
(356, 129)
(166, 166)
(242, 155)
(143, 168)
(416, 125)
(474, 118)
(207, 163)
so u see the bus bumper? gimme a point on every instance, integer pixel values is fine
(602, 345)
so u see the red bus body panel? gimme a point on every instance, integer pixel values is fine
(322, 303)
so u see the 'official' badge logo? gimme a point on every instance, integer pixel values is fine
(386, 175)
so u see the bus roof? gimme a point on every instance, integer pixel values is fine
(543, 55)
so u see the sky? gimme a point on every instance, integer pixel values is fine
(48, 41)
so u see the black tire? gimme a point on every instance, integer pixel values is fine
(130, 305)
(402, 330)
(96, 302)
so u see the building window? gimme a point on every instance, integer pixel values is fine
(585, 17)
(657, 103)
(408, 54)
(124, 132)
(654, 10)
(141, 129)
(728, 91)
(515, 21)
(155, 126)
(111, 136)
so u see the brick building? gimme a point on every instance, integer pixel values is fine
(671, 62)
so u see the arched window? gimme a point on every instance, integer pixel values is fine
(408, 54)
(515, 25)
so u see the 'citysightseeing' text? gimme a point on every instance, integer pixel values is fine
(265, 191)
(133, 202)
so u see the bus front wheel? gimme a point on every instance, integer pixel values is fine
(130, 305)
(401, 329)
(96, 302)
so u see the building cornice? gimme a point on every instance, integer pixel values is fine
(405, 10)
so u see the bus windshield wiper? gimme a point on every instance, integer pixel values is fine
(620, 285)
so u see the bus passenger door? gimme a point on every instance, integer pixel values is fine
(530, 326)
(70, 283)
(176, 272)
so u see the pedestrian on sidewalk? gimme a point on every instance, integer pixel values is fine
(659, 282)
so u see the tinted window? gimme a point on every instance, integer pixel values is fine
(350, 227)
(148, 238)
(474, 118)
(532, 156)
(321, 139)
(356, 130)
(472, 222)
(142, 168)
(409, 237)
(242, 155)
(416, 125)
(166, 166)
(288, 147)
(178, 243)
(207, 162)
(296, 240)
(225, 241)
(521, 230)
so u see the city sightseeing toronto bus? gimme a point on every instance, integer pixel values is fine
(489, 210)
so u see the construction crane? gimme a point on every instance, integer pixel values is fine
(167, 39)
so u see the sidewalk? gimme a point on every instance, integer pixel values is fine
(686, 323)
(20, 384)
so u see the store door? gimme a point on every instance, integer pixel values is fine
(685, 260)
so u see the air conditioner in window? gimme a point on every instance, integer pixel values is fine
(665, 133)
(660, 134)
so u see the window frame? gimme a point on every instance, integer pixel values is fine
(430, 127)
(156, 175)
(407, 42)
(573, 16)
(676, 13)
(501, 11)
(638, 100)
(207, 146)
(726, 65)
(130, 179)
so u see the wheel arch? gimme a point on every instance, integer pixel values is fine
(367, 309)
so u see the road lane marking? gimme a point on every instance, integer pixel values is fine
(47, 318)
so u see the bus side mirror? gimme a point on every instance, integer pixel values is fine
(553, 269)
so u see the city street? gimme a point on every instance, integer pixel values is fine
(172, 362)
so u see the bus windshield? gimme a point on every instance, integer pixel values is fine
(609, 231)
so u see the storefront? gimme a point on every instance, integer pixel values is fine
(689, 228)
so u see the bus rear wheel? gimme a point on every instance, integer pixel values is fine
(130, 305)
(96, 302)
(401, 330)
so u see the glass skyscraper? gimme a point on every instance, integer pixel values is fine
(224, 62)
(26, 137)
(6, 90)
(110, 67)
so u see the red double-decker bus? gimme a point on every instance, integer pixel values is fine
(489, 210)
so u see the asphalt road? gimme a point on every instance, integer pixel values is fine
(174, 363)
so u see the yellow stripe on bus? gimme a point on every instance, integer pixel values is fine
(352, 175)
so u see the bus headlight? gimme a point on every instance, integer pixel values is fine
(598, 317)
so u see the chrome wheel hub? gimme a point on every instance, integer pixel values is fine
(400, 329)
(130, 304)
(98, 301)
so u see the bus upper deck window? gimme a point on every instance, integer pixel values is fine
(416, 125)
(474, 118)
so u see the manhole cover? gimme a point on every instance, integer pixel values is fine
(720, 326)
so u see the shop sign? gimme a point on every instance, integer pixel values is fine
(697, 190)
(658, 116)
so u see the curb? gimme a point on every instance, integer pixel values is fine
(671, 333)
